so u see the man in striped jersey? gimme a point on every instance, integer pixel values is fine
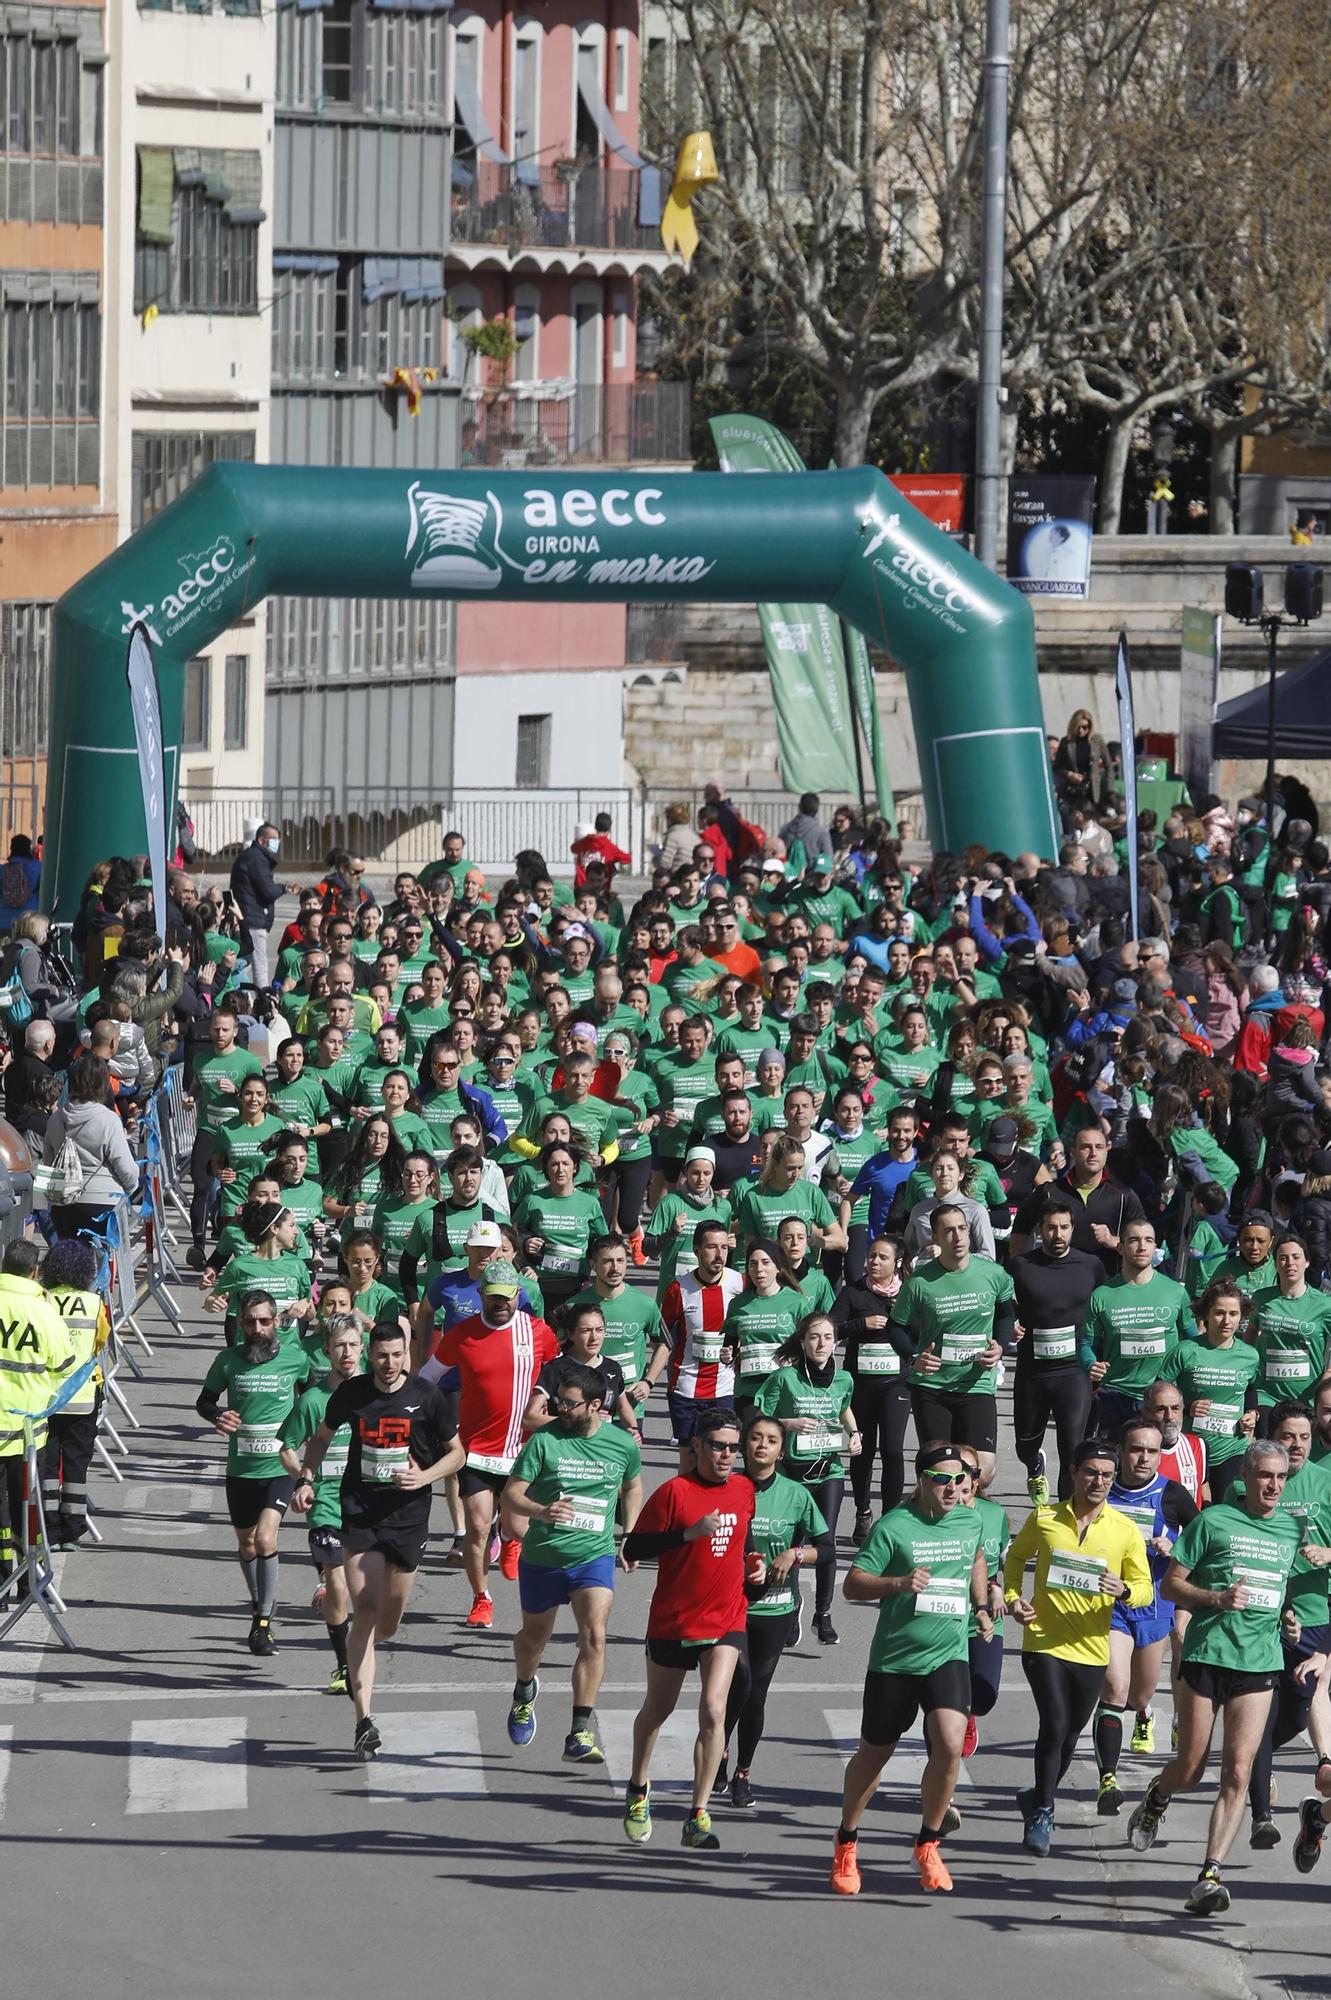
(693, 1313)
(498, 1353)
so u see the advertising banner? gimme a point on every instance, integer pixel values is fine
(1049, 534)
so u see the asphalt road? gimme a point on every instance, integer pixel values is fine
(179, 1820)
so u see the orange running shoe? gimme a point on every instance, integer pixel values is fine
(482, 1613)
(845, 1876)
(509, 1555)
(636, 1251)
(933, 1869)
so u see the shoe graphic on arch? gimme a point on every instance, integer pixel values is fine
(452, 541)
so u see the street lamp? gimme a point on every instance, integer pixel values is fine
(1303, 605)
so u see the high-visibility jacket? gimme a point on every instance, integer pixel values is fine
(88, 1325)
(35, 1352)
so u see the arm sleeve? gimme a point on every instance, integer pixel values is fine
(1005, 1320)
(641, 1544)
(1178, 1506)
(1027, 915)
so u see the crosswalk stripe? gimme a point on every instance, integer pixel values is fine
(672, 1761)
(197, 1765)
(427, 1754)
(6, 1747)
(908, 1760)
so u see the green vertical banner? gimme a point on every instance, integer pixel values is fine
(805, 655)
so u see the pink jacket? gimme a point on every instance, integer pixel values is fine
(1224, 1013)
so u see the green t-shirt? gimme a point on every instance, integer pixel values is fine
(632, 1327)
(760, 1211)
(301, 1104)
(995, 1537)
(370, 1082)
(785, 1516)
(567, 1224)
(412, 1133)
(821, 1076)
(756, 1327)
(438, 1109)
(218, 1107)
(918, 1631)
(419, 1021)
(686, 983)
(905, 1069)
(295, 1434)
(682, 1086)
(642, 1099)
(1249, 1278)
(1307, 1500)
(675, 1250)
(1221, 1377)
(748, 1043)
(1135, 1328)
(246, 1149)
(393, 1222)
(1226, 1545)
(592, 1122)
(305, 1199)
(818, 1453)
(262, 1394)
(590, 1471)
(287, 1277)
(1290, 1338)
(377, 1301)
(952, 1314)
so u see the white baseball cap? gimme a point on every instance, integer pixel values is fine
(582, 829)
(774, 867)
(484, 1236)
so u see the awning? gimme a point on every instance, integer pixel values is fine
(230, 175)
(649, 178)
(467, 98)
(1303, 715)
(157, 186)
(301, 260)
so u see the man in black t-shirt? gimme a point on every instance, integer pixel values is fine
(1101, 1209)
(403, 1440)
(1053, 1284)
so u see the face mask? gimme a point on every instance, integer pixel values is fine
(273, 847)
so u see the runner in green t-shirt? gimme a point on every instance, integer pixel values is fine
(760, 1321)
(924, 1568)
(811, 1398)
(243, 1147)
(567, 1482)
(343, 1348)
(1253, 1266)
(260, 1379)
(395, 1216)
(1289, 1326)
(558, 1222)
(1132, 1326)
(632, 1318)
(1216, 1377)
(669, 1234)
(960, 1310)
(295, 1093)
(683, 1078)
(1231, 1569)
(781, 1190)
(273, 1264)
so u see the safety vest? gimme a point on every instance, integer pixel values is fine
(89, 1327)
(35, 1352)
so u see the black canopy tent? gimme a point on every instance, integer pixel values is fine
(1303, 715)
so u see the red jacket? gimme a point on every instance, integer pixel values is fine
(599, 847)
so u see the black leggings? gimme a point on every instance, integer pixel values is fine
(630, 1178)
(746, 1704)
(1286, 1718)
(881, 1408)
(1063, 1393)
(986, 1662)
(201, 1183)
(827, 1496)
(1065, 1695)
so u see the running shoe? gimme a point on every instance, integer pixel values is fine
(1145, 1822)
(1109, 1800)
(482, 1613)
(1038, 1832)
(636, 1251)
(367, 1741)
(1037, 1482)
(970, 1742)
(492, 1549)
(1143, 1733)
(859, 1534)
(453, 1556)
(696, 1832)
(337, 1681)
(721, 1782)
(933, 1869)
(1264, 1833)
(510, 1554)
(845, 1875)
(581, 1747)
(196, 1257)
(1308, 1841)
(262, 1643)
(741, 1791)
(949, 1823)
(1210, 1897)
(638, 1814)
(522, 1717)
(320, 1593)
(827, 1631)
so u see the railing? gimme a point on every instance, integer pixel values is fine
(614, 424)
(587, 207)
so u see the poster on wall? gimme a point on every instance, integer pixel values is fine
(1199, 680)
(1049, 534)
(940, 497)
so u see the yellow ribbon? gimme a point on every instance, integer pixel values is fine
(694, 169)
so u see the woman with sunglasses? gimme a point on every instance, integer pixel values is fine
(786, 1528)
(811, 1397)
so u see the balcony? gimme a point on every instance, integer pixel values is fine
(622, 424)
(549, 208)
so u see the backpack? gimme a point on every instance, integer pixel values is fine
(14, 891)
(61, 1179)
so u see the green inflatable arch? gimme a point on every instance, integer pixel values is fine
(847, 539)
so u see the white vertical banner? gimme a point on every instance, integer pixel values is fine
(146, 705)
(1127, 736)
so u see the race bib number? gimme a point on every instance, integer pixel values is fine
(962, 1347)
(940, 1601)
(1070, 1569)
(1140, 1517)
(1286, 1365)
(757, 1360)
(558, 1259)
(1221, 1420)
(334, 1462)
(1266, 1588)
(380, 1463)
(782, 1599)
(817, 1444)
(1054, 1343)
(256, 1440)
(1134, 1346)
(589, 1514)
(707, 1347)
(877, 1357)
(482, 1461)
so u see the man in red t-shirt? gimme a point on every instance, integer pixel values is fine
(698, 1527)
(498, 1352)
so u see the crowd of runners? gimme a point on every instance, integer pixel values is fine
(788, 1163)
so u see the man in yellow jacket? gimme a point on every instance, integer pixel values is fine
(1086, 1556)
(36, 1352)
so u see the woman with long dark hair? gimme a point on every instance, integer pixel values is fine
(811, 1397)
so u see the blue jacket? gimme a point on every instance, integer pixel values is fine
(880, 1178)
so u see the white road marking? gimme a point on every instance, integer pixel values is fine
(198, 1765)
(906, 1767)
(6, 1745)
(427, 1754)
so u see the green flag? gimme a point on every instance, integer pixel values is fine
(805, 655)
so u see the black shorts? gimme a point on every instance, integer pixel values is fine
(683, 1654)
(955, 1417)
(472, 1479)
(325, 1548)
(402, 1547)
(246, 1499)
(892, 1701)
(687, 1412)
(1221, 1684)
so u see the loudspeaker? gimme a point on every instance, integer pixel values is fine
(1243, 592)
(1303, 592)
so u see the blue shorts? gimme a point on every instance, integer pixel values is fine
(685, 1412)
(543, 1589)
(1144, 1627)
(1312, 1639)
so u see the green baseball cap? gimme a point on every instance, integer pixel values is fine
(501, 1276)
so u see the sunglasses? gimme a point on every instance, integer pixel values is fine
(715, 1444)
(946, 1478)
(569, 1409)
